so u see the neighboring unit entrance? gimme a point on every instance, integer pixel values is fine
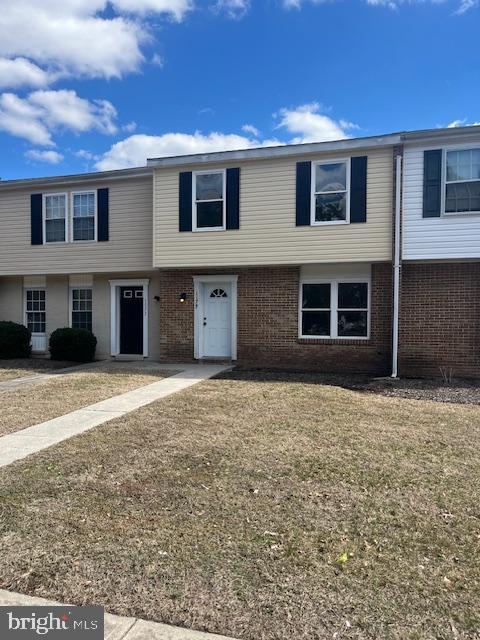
(131, 320)
(217, 320)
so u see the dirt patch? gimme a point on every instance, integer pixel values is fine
(277, 510)
(458, 391)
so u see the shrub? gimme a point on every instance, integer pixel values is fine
(77, 345)
(14, 340)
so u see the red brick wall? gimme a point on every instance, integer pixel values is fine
(268, 323)
(440, 319)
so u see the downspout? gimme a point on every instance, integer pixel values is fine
(396, 264)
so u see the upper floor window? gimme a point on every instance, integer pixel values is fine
(330, 192)
(334, 309)
(84, 213)
(209, 201)
(55, 207)
(462, 181)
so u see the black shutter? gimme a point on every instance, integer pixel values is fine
(36, 204)
(304, 193)
(358, 189)
(102, 215)
(233, 198)
(185, 201)
(432, 183)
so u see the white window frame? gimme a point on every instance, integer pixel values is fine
(315, 164)
(223, 172)
(334, 282)
(445, 150)
(95, 221)
(70, 301)
(44, 217)
(26, 312)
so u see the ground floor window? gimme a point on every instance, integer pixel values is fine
(334, 309)
(82, 309)
(35, 310)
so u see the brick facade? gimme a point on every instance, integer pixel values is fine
(439, 319)
(268, 323)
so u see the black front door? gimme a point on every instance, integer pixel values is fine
(131, 320)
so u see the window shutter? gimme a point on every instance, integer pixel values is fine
(36, 204)
(358, 189)
(304, 193)
(432, 183)
(233, 198)
(185, 201)
(102, 215)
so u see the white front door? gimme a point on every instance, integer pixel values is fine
(217, 320)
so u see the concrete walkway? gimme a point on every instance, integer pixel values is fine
(117, 627)
(21, 444)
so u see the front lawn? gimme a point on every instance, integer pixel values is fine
(28, 405)
(263, 510)
(21, 367)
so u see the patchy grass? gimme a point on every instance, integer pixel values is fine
(31, 404)
(19, 368)
(263, 510)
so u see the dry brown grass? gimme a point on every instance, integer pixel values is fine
(31, 404)
(261, 510)
(18, 368)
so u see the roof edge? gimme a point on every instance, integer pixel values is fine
(97, 176)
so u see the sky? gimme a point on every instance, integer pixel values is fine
(89, 85)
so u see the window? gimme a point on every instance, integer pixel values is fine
(330, 192)
(82, 309)
(84, 207)
(462, 181)
(209, 201)
(55, 207)
(334, 309)
(35, 310)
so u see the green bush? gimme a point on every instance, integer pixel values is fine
(77, 345)
(14, 340)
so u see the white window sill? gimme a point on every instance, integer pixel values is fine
(331, 338)
(322, 224)
(203, 229)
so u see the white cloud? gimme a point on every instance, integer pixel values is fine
(130, 127)
(19, 118)
(42, 113)
(135, 150)
(249, 128)
(233, 8)
(307, 124)
(461, 123)
(76, 37)
(21, 72)
(50, 157)
(85, 154)
(464, 5)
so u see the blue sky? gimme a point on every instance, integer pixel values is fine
(90, 84)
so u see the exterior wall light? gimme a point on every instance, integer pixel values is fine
(183, 297)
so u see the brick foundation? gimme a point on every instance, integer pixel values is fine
(439, 319)
(268, 323)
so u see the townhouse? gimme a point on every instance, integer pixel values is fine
(77, 251)
(359, 255)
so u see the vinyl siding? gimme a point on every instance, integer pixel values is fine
(267, 233)
(129, 247)
(447, 237)
(58, 306)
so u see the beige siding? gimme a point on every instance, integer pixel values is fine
(267, 233)
(58, 306)
(11, 299)
(129, 247)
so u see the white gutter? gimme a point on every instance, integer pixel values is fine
(396, 264)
